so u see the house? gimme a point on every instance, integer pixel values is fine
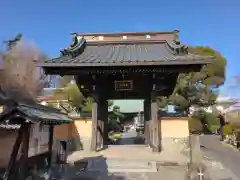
(74, 134)
(27, 134)
(38, 143)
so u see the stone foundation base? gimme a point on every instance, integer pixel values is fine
(176, 149)
(175, 143)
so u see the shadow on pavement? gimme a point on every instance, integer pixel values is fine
(91, 168)
(131, 141)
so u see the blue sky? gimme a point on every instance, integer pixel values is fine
(206, 22)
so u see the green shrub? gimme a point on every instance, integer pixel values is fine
(211, 119)
(213, 128)
(201, 118)
(227, 129)
(195, 125)
(206, 118)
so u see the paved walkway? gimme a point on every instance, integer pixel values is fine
(138, 162)
(128, 138)
(165, 173)
(127, 162)
(132, 152)
(222, 156)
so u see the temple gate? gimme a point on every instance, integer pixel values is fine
(125, 66)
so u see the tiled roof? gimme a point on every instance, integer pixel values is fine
(6, 126)
(127, 54)
(34, 113)
(43, 114)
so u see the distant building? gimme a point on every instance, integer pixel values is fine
(221, 105)
(52, 81)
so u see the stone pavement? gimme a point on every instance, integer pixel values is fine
(131, 162)
(165, 173)
(213, 149)
(137, 152)
(215, 170)
(117, 165)
(218, 171)
(138, 162)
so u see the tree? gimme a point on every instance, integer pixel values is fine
(110, 103)
(70, 92)
(162, 102)
(199, 88)
(74, 97)
(64, 81)
(114, 117)
(116, 114)
(13, 42)
(20, 79)
(87, 106)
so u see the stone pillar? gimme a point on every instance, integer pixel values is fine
(195, 150)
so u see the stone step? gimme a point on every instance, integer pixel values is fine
(116, 165)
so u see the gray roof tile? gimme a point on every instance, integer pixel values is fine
(103, 54)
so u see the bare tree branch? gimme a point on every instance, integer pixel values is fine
(20, 79)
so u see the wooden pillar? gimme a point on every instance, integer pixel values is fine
(12, 162)
(24, 152)
(105, 122)
(100, 123)
(97, 122)
(94, 123)
(146, 121)
(98, 115)
(50, 145)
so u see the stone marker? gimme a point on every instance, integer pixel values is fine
(195, 151)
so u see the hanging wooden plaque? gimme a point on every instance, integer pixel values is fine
(124, 85)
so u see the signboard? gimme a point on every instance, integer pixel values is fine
(124, 85)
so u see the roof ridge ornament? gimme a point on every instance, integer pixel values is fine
(177, 48)
(76, 47)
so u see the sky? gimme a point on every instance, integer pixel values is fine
(48, 24)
